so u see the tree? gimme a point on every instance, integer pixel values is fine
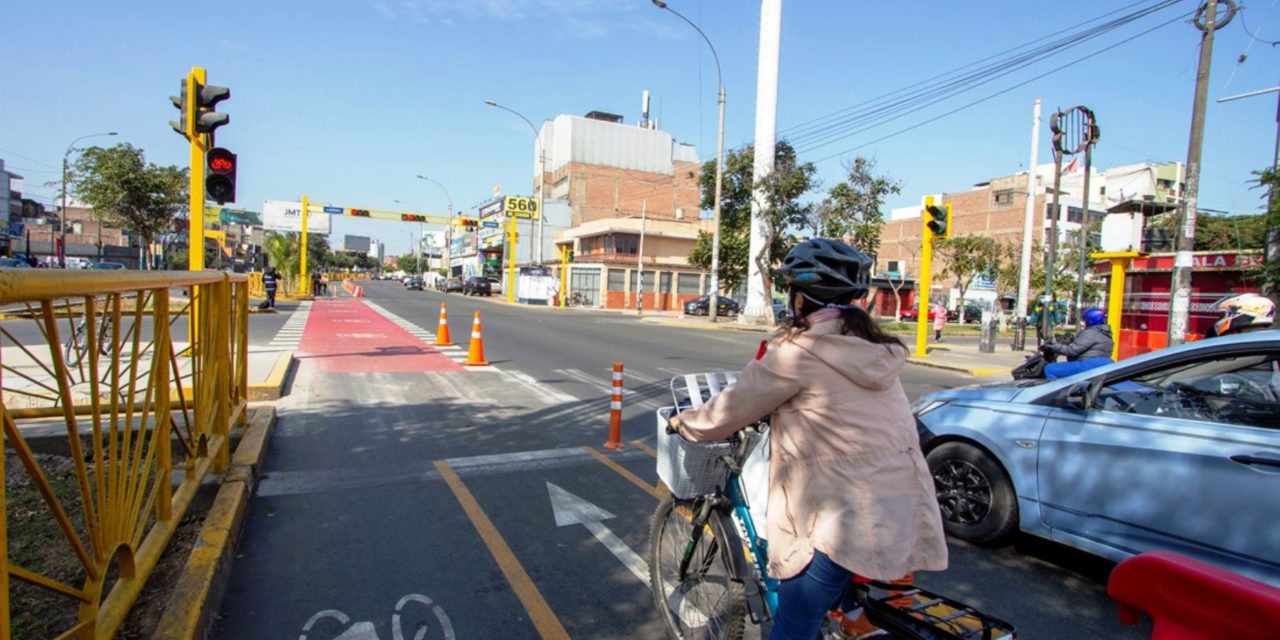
(785, 185)
(408, 264)
(282, 251)
(1221, 232)
(853, 208)
(898, 279)
(966, 257)
(1268, 274)
(126, 191)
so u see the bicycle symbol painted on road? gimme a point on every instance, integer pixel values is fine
(367, 630)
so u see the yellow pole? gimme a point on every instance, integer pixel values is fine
(925, 284)
(511, 257)
(304, 287)
(564, 274)
(1115, 293)
(195, 226)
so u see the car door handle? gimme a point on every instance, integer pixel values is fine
(1248, 459)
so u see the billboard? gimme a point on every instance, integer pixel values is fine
(358, 244)
(490, 237)
(280, 215)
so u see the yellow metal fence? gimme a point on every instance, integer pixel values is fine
(146, 417)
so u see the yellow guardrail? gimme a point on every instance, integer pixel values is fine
(136, 406)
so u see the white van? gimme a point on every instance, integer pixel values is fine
(78, 263)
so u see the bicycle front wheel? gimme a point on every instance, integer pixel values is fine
(706, 602)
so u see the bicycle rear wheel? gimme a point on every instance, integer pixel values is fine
(707, 603)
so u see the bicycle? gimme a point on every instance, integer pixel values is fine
(74, 350)
(709, 565)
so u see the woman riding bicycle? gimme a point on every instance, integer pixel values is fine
(849, 490)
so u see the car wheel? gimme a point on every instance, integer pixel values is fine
(974, 493)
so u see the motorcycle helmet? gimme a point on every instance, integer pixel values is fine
(1241, 313)
(827, 271)
(1094, 317)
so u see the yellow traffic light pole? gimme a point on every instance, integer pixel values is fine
(195, 224)
(304, 287)
(512, 236)
(925, 288)
(564, 274)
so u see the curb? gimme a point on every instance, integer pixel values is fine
(726, 326)
(273, 388)
(187, 614)
(976, 372)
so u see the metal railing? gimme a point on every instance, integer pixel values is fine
(145, 418)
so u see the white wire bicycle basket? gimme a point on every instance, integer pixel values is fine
(692, 469)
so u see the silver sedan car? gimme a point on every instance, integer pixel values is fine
(1175, 450)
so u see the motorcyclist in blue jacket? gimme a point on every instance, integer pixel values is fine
(1091, 348)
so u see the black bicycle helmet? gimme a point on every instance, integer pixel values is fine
(828, 271)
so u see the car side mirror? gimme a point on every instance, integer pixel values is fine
(1082, 395)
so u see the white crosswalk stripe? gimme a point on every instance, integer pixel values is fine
(289, 336)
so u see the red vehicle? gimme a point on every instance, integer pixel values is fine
(910, 315)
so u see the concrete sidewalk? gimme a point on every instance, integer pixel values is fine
(966, 358)
(29, 383)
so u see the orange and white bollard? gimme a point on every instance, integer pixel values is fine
(475, 353)
(615, 411)
(442, 329)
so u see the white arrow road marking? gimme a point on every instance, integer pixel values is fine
(570, 510)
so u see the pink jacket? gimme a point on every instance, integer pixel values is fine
(846, 474)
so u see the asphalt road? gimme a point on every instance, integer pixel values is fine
(404, 494)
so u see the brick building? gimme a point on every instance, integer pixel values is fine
(996, 209)
(87, 237)
(611, 175)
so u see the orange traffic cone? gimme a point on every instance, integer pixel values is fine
(475, 353)
(442, 330)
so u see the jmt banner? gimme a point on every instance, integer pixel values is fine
(280, 215)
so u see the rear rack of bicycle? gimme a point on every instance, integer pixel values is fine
(904, 611)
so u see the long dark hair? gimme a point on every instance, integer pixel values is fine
(854, 321)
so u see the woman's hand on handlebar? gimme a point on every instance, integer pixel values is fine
(673, 425)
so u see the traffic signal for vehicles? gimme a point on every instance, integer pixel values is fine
(181, 101)
(220, 175)
(938, 220)
(470, 224)
(360, 213)
(207, 118)
(412, 217)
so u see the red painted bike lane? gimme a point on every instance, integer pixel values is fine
(346, 336)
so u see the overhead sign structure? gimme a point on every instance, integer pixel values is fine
(281, 215)
(491, 224)
(522, 207)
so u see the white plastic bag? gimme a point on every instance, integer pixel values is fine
(755, 479)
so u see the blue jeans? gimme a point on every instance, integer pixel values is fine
(803, 601)
(1064, 369)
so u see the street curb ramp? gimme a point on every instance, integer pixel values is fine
(192, 604)
(273, 388)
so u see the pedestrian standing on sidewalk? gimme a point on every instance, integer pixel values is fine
(939, 321)
(324, 284)
(270, 280)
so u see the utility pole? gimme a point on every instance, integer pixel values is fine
(1045, 331)
(758, 299)
(1024, 269)
(1180, 302)
(1091, 138)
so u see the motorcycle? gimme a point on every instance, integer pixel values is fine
(1033, 367)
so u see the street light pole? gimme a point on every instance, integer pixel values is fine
(542, 171)
(713, 302)
(448, 231)
(62, 255)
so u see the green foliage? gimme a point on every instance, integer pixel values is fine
(282, 252)
(128, 192)
(408, 264)
(1216, 232)
(966, 257)
(1268, 274)
(789, 181)
(853, 208)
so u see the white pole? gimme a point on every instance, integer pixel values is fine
(644, 205)
(758, 300)
(1024, 269)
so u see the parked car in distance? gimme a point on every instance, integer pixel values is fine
(495, 285)
(972, 314)
(452, 284)
(780, 311)
(1175, 450)
(107, 266)
(413, 283)
(14, 263)
(476, 285)
(700, 306)
(78, 263)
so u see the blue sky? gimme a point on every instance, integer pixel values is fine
(347, 101)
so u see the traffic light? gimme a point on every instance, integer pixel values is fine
(207, 119)
(220, 175)
(181, 101)
(412, 217)
(470, 224)
(360, 213)
(938, 220)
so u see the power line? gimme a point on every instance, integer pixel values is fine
(19, 155)
(887, 112)
(1007, 89)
